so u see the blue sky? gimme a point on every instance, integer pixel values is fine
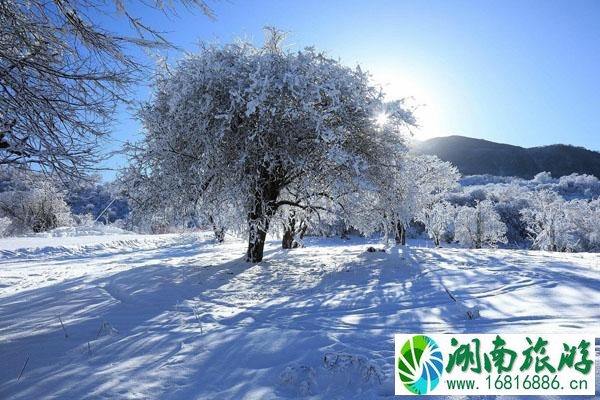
(519, 72)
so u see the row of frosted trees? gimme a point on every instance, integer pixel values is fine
(247, 137)
(254, 140)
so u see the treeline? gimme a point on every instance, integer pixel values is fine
(556, 214)
(546, 213)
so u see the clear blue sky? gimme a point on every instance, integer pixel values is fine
(519, 72)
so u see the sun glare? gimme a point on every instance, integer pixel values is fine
(424, 101)
(381, 119)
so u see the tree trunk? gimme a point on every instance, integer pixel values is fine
(219, 234)
(303, 229)
(265, 206)
(479, 232)
(344, 234)
(256, 244)
(218, 231)
(289, 232)
(400, 234)
(288, 239)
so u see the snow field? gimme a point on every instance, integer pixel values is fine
(180, 317)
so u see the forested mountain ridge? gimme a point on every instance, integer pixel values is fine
(477, 157)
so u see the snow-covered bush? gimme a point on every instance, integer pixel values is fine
(469, 196)
(38, 209)
(544, 177)
(574, 186)
(578, 186)
(83, 219)
(479, 225)
(157, 221)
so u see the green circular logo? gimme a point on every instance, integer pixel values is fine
(420, 364)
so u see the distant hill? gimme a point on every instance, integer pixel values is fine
(477, 156)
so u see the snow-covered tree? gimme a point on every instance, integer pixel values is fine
(558, 225)
(581, 225)
(295, 221)
(509, 200)
(294, 224)
(62, 73)
(555, 214)
(593, 224)
(479, 225)
(159, 203)
(438, 220)
(545, 219)
(423, 181)
(402, 196)
(432, 180)
(261, 128)
(5, 224)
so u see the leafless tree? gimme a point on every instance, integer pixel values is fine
(62, 74)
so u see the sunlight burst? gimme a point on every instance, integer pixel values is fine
(381, 119)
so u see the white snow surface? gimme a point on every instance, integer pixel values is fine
(180, 317)
(69, 237)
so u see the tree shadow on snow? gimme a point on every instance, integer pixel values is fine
(208, 328)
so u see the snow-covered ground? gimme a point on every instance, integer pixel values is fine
(178, 317)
